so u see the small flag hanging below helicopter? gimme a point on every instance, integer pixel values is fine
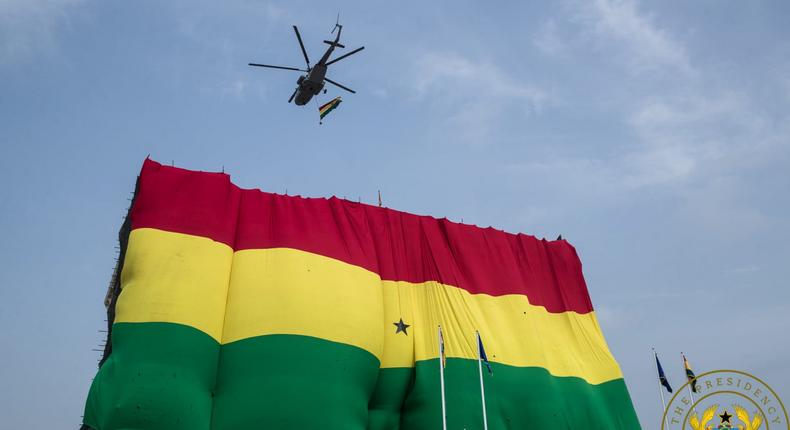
(329, 107)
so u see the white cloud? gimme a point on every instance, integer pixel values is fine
(785, 81)
(192, 17)
(657, 166)
(596, 177)
(379, 92)
(28, 27)
(204, 24)
(696, 128)
(548, 40)
(234, 89)
(744, 269)
(611, 318)
(473, 95)
(453, 74)
(645, 45)
(677, 134)
(697, 149)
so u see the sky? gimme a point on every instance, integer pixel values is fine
(654, 136)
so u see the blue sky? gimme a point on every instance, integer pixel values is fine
(655, 136)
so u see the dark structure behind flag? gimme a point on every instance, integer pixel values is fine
(483, 355)
(690, 374)
(661, 376)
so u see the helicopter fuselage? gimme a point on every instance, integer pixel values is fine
(310, 84)
(313, 82)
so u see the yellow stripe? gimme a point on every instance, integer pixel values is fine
(287, 291)
(513, 331)
(172, 277)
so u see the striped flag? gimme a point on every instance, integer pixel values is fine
(690, 374)
(329, 107)
(316, 285)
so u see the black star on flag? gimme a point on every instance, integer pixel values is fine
(401, 327)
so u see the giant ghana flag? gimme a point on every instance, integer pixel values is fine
(240, 309)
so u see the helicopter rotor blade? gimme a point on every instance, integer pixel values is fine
(301, 45)
(277, 67)
(345, 55)
(340, 86)
(293, 95)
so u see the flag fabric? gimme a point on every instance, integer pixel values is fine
(239, 306)
(482, 354)
(661, 376)
(329, 106)
(690, 375)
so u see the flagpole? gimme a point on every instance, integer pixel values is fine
(692, 399)
(482, 389)
(661, 391)
(441, 378)
(689, 383)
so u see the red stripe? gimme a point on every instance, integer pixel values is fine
(396, 245)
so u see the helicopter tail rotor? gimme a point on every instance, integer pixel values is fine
(293, 95)
(337, 24)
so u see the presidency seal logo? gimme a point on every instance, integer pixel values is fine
(725, 399)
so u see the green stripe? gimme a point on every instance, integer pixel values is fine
(162, 376)
(159, 376)
(516, 398)
(293, 382)
(386, 404)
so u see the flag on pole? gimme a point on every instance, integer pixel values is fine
(661, 376)
(481, 358)
(442, 365)
(329, 106)
(441, 348)
(482, 354)
(690, 374)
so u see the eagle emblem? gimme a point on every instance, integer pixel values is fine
(747, 422)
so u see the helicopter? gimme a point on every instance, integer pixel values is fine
(313, 81)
